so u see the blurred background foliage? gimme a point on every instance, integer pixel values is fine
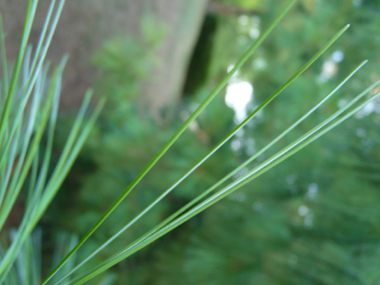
(314, 219)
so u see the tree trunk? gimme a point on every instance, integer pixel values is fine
(86, 24)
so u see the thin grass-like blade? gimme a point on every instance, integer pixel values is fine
(30, 13)
(37, 185)
(21, 140)
(54, 183)
(34, 212)
(36, 68)
(176, 135)
(293, 148)
(225, 140)
(16, 186)
(28, 150)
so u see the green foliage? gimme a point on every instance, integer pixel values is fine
(124, 63)
(297, 225)
(312, 220)
(303, 223)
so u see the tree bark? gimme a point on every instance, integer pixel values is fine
(164, 88)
